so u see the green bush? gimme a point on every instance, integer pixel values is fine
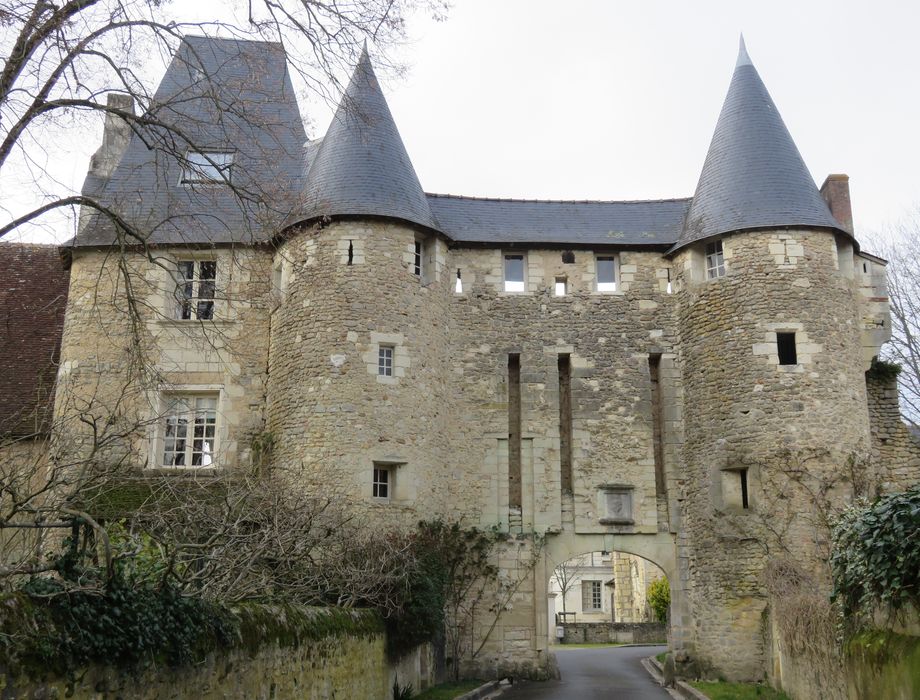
(659, 598)
(875, 560)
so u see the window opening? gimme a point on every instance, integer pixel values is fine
(715, 260)
(564, 367)
(385, 361)
(669, 280)
(417, 259)
(560, 288)
(351, 252)
(591, 596)
(785, 347)
(190, 431)
(382, 485)
(568, 257)
(195, 289)
(743, 474)
(514, 430)
(514, 273)
(208, 167)
(458, 288)
(606, 273)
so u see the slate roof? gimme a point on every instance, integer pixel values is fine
(506, 221)
(33, 294)
(361, 167)
(222, 95)
(753, 176)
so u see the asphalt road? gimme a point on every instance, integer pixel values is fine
(601, 673)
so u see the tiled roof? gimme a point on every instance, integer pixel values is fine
(33, 294)
(361, 167)
(753, 176)
(506, 221)
(225, 95)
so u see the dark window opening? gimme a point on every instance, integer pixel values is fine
(568, 257)
(744, 488)
(514, 430)
(417, 262)
(351, 252)
(785, 347)
(564, 366)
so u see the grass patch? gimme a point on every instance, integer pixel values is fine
(448, 691)
(661, 656)
(721, 690)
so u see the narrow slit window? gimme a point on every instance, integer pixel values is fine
(417, 259)
(458, 288)
(351, 252)
(743, 476)
(382, 486)
(606, 273)
(514, 273)
(785, 348)
(561, 286)
(385, 361)
(715, 260)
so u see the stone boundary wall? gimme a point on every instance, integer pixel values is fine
(615, 632)
(896, 450)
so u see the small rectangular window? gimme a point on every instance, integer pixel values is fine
(743, 474)
(606, 273)
(785, 348)
(385, 361)
(189, 431)
(514, 273)
(207, 167)
(591, 596)
(561, 286)
(736, 488)
(195, 287)
(715, 260)
(458, 287)
(417, 260)
(382, 482)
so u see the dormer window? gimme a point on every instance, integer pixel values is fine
(715, 260)
(207, 167)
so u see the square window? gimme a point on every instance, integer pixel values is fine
(514, 273)
(385, 361)
(561, 286)
(188, 430)
(383, 482)
(785, 348)
(195, 287)
(715, 260)
(206, 167)
(606, 273)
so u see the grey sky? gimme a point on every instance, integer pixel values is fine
(618, 100)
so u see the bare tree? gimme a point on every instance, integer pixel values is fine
(901, 247)
(567, 574)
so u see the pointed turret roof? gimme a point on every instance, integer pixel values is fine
(754, 176)
(361, 166)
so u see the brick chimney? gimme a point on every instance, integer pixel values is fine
(115, 136)
(836, 192)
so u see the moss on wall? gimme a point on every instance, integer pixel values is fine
(883, 664)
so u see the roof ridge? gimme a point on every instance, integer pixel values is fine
(559, 201)
(234, 39)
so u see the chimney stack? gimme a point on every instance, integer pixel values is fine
(115, 137)
(836, 192)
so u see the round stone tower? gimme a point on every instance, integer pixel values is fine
(357, 393)
(774, 388)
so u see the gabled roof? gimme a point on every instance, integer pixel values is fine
(753, 176)
(218, 95)
(510, 221)
(33, 295)
(361, 168)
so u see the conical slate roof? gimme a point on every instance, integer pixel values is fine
(361, 167)
(754, 176)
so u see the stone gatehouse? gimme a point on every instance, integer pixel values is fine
(625, 376)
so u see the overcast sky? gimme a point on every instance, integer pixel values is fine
(600, 99)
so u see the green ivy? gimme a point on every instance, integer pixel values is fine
(875, 560)
(884, 371)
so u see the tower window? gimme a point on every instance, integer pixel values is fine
(458, 287)
(606, 273)
(385, 361)
(736, 489)
(514, 273)
(785, 348)
(715, 260)
(561, 286)
(383, 482)
(743, 476)
(417, 259)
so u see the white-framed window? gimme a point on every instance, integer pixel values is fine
(195, 286)
(385, 361)
(715, 260)
(188, 430)
(417, 258)
(515, 268)
(561, 287)
(606, 266)
(592, 596)
(207, 167)
(382, 482)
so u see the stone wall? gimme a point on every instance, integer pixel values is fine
(893, 447)
(346, 667)
(615, 632)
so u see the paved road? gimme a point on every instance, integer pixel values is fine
(603, 673)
